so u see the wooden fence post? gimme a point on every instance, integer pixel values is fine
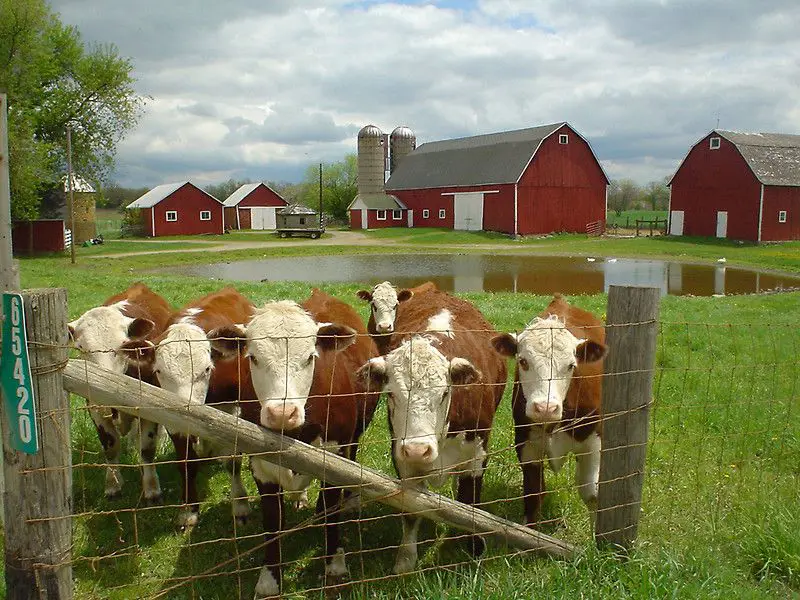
(38, 497)
(631, 330)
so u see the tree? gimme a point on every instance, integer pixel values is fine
(221, 191)
(622, 194)
(53, 80)
(114, 195)
(339, 186)
(656, 194)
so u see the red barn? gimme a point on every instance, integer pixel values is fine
(528, 181)
(744, 186)
(253, 206)
(179, 209)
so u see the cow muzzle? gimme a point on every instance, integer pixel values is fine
(282, 415)
(384, 327)
(422, 453)
(544, 411)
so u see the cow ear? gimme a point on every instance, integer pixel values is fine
(138, 329)
(589, 351)
(404, 295)
(364, 295)
(463, 372)
(228, 341)
(332, 336)
(139, 353)
(505, 344)
(71, 328)
(373, 375)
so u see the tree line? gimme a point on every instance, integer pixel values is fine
(626, 194)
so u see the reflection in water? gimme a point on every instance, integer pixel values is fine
(495, 273)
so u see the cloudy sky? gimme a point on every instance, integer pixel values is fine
(261, 89)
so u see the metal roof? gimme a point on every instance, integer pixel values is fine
(240, 194)
(160, 192)
(377, 202)
(774, 158)
(296, 209)
(79, 184)
(478, 160)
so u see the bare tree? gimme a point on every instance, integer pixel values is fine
(622, 194)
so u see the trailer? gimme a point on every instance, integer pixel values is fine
(299, 220)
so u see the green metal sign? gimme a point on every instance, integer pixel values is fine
(15, 377)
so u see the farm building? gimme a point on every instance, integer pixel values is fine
(528, 181)
(179, 209)
(252, 206)
(744, 186)
(84, 211)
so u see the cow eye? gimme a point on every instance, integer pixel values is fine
(573, 366)
(310, 360)
(523, 364)
(208, 369)
(253, 360)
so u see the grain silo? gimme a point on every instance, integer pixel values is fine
(371, 160)
(84, 214)
(403, 142)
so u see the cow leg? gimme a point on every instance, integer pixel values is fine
(531, 459)
(111, 442)
(407, 553)
(269, 579)
(328, 503)
(239, 500)
(469, 492)
(587, 472)
(148, 438)
(187, 462)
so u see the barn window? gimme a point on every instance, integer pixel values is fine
(397, 215)
(172, 215)
(302, 220)
(205, 215)
(714, 143)
(442, 213)
(381, 215)
(426, 213)
(563, 138)
(781, 216)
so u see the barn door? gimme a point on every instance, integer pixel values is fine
(468, 211)
(364, 220)
(676, 222)
(262, 217)
(722, 224)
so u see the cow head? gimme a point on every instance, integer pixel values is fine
(547, 356)
(282, 342)
(420, 380)
(100, 333)
(384, 300)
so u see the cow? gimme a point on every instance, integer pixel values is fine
(303, 360)
(556, 399)
(385, 302)
(183, 362)
(444, 384)
(139, 314)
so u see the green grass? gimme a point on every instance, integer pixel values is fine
(721, 489)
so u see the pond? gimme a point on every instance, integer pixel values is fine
(503, 273)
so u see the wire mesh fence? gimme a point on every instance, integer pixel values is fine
(723, 447)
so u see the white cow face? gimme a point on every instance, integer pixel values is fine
(419, 379)
(100, 333)
(547, 355)
(384, 300)
(182, 362)
(282, 342)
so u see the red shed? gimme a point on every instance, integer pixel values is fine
(528, 181)
(744, 186)
(253, 206)
(179, 209)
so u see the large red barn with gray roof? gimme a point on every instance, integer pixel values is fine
(179, 209)
(529, 181)
(743, 186)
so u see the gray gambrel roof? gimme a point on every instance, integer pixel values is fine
(489, 159)
(774, 158)
(160, 192)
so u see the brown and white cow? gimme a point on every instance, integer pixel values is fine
(556, 398)
(138, 313)
(444, 385)
(385, 300)
(303, 360)
(183, 362)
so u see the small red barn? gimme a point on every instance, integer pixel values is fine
(252, 206)
(743, 186)
(528, 181)
(179, 209)
(374, 211)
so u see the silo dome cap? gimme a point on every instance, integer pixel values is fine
(402, 132)
(370, 131)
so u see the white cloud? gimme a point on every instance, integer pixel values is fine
(262, 89)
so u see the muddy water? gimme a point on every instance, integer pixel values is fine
(485, 272)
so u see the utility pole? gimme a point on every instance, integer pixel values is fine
(71, 195)
(320, 196)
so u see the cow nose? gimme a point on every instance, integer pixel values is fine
(546, 409)
(384, 327)
(282, 416)
(418, 452)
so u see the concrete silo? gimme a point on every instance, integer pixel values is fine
(371, 160)
(403, 141)
(84, 196)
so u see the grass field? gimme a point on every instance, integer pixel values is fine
(720, 515)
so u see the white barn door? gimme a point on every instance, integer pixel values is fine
(676, 222)
(468, 211)
(262, 217)
(722, 224)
